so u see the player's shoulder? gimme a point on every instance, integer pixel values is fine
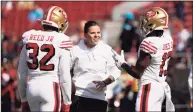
(150, 44)
(64, 41)
(26, 36)
(167, 36)
(152, 39)
(61, 36)
(28, 32)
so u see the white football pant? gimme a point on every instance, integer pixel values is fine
(150, 97)
(43, 95)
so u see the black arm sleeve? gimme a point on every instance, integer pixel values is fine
(129, 70)
(142, 62)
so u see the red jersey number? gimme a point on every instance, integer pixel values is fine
(165, 56)
(49, 48)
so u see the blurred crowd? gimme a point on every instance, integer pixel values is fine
(122, 94)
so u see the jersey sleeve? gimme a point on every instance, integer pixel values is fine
(22, 75)
(25, 37)
(65, 77)
(72, 58)
(65, 43)
(148, 46)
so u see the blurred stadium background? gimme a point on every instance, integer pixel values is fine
(19, 16)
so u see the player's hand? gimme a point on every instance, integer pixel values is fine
(65, 108)
(100, 85)
(25, 107)
(119, 59)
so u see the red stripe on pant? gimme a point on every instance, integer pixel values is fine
(57, 103)
(145, 98)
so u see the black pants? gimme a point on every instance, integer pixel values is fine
(82, 104)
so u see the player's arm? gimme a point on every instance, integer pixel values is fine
(72, 63)
(22, 75)
(65, 77)
(142, 63)
(22, 72)
(147, 50)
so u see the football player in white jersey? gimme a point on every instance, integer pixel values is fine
(44, 65)
(151, 67)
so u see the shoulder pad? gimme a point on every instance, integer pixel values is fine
(148, 46)
(25, 37)
(66, 44)
(64, 41)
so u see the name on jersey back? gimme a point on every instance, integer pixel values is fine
(41, 38)
(167, 46)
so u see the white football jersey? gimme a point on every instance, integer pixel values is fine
(45, 54)
(43, 50)
(160, 49)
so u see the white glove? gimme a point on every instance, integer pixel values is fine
(119, 59)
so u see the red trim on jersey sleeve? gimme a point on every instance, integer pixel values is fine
(150, 44)
(148, 47)
(66, 44)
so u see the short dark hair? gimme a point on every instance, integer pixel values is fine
(89, 24)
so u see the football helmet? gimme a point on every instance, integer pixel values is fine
(155, 18)
(56, 17)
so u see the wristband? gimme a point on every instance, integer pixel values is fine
(66, 107)
(104, 83)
